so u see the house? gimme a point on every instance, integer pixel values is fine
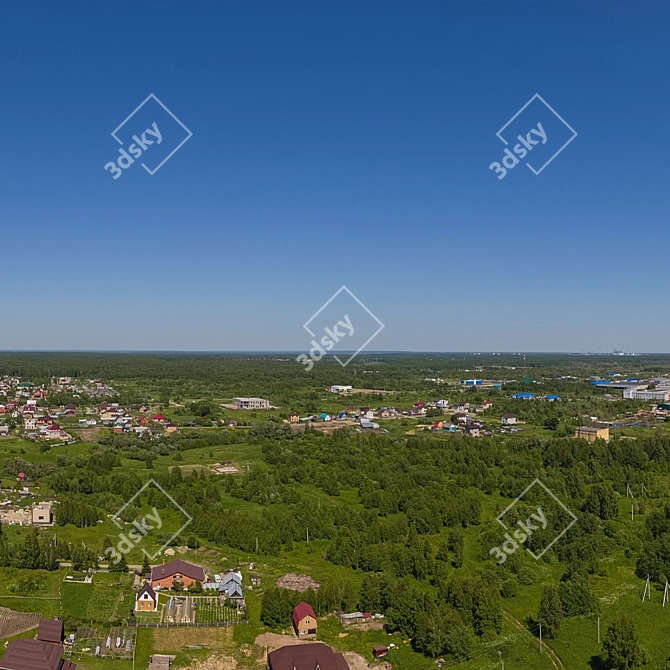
(171, 428)
(593, 434)
(304, 621)
(55, 432)
(451, 427)
(188, 574)
(462, 418)
(146, 599)
(42, 653)
(487, 403)
(324, 417)
(232, 585)
(472, 429)
(441, 404)
(22, 477)
(158, 417)
(379, 651)
(4, 431)
(42, 515)
(366, 413)
(438, 425)
(306, 657)
(522, 396)
(251, 403)
(368, 424)
(255, 580)
(508, 419)
(293, 417)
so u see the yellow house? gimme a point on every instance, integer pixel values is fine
(593, 434)
(304, 621)
(146, 599)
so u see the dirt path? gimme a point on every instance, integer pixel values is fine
(553, 656)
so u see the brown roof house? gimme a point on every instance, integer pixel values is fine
(43, 653)
(186, 573)
(146, 599)
(304, 622)
(306, 657)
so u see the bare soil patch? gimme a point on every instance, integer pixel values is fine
(272, 641)
(86, 434)
(297, 582)
(356, 661)
(215, 661)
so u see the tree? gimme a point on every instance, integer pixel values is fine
(621, 647)
(177, 585)
(602, 501)
(550, 613)
(146, 566)
(119, 566)
(576, 595)
(455, 545)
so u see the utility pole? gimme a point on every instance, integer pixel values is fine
(540, 637)
(307, 534)
(666, 592)
(647, 590)
(598, 630)
(256, 543)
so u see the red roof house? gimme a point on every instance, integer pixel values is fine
(186, 573)
(304, 621)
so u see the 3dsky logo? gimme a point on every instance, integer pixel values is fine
(152, 129)
(541, 133)
(541, 519)
(143, 527)
(343, 324)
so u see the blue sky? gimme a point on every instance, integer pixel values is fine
(335, 143)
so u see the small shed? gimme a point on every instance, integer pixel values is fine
(379, 651)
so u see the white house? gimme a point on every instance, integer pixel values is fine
(508, 419)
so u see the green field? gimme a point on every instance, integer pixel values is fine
(211, 610)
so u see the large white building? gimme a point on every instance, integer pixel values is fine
(339, 389)
(251, 403)
(658, 394)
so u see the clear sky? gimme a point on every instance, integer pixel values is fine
(334, 143)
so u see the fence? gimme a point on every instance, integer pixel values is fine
(216, 624)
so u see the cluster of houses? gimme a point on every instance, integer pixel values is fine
(142, 421)
(227, 585)
(41, 422)
(419, 409)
